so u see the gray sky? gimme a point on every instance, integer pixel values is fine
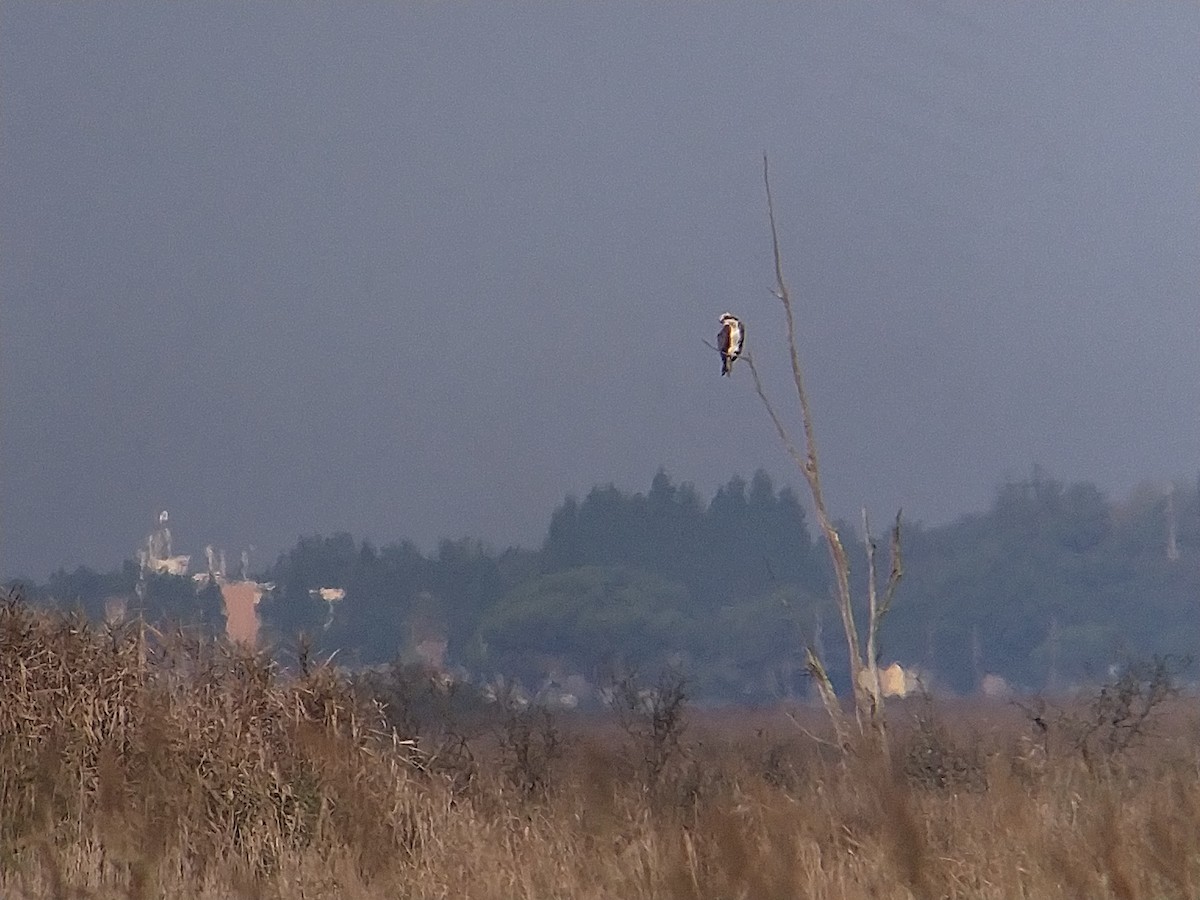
(419, 270)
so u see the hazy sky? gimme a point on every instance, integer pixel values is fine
(421, 269)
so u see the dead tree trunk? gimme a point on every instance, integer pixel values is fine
(864, 669)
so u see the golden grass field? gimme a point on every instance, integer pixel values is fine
(137, 766)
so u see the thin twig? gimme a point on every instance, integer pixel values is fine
(809, 734)
(786, 438)
(829, 698)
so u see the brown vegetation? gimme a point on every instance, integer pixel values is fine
(138, 765)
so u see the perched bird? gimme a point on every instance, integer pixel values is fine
(729, 340)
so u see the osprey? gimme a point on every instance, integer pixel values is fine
(729, 340)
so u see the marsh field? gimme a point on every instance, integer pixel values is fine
(136, 764)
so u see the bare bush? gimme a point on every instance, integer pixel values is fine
(530, 745)
(655, 718)
(1119, 716)
(442, 718)
(933, 759)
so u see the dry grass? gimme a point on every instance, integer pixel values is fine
(137, 766)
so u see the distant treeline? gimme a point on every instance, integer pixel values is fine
(1053, 584)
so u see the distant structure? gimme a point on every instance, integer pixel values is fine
(240, 596)
(329, 596)
(212, 573)
(241, 609)
(996, 687)
(157, 557)
(894, 681)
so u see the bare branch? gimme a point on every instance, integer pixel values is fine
(897, 571)
(781, 290)
(815, 737)
(788, 443)
(828, 696)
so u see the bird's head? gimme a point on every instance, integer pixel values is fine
(726, 318)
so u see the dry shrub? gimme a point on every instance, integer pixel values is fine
(933, 758)
(442, 719)
(1120, 716)
(151, 746)
(530, 744)
(654, 716)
